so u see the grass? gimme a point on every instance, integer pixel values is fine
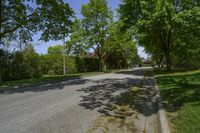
(180, 93)
(44, 79)
(50, 78)
(160, 72)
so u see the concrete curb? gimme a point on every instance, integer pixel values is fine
(163, 126)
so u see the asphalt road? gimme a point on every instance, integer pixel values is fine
(65, 107)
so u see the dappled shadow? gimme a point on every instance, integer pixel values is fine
(121, 97)
(180, 90)
(54, 85)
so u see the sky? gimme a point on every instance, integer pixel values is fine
(41, 47)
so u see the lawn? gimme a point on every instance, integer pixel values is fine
(51, 78)
(45, 79)
(181, 98)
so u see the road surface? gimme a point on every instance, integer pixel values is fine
(101, 103)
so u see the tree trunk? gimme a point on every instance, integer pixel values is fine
(166, 43)
(21, 60)
(98, 52)
(168, 62)
(100, 63)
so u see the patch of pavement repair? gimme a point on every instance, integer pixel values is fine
(133, 111)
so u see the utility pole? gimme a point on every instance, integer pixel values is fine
(64, 71)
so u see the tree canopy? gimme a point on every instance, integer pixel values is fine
(161, 24)
(51, 17)
(96, 18)
(120, 49)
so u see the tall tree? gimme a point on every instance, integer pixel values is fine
(31, 63)
(154, 22)
(120, 49)
(96, 18)
(57, 20)
(77, 41)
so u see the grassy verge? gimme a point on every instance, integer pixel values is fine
(181, 98)
(50, 78)
(45, 79)
(160, 72)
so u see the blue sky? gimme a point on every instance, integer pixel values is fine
(41, 47)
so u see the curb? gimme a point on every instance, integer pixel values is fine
(163, 126)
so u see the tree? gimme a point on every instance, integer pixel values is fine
(31, 63)
(10, 64)
(160, 23)
(52, 63)
(120, 49)
(52, 17)
(16, 14)
(57, 49)
(77, 39)
(57, 22)
(186, 49)
(96, 18)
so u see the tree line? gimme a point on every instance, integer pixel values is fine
(169, 31)
(96, 42)
(27, 63)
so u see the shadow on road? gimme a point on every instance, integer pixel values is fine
(121, 97)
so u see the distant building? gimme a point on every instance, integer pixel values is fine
(146, 62)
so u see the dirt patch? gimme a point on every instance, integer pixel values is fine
(120, 121)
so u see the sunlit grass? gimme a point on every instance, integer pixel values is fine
(159, 72)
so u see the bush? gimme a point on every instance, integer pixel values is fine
(28, 64)
(19, 65)
(71, 65)
(87, 64)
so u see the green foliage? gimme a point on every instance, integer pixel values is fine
(57, 49)
(161, 26)
(31, 63)
(120, 50)
(56, 19)
(52, 64)
(87, 64)
(20, 65)
(96, 18)
(16, 14)
(7, 67)
(71, 66)
(20, 20)
(77, 42)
